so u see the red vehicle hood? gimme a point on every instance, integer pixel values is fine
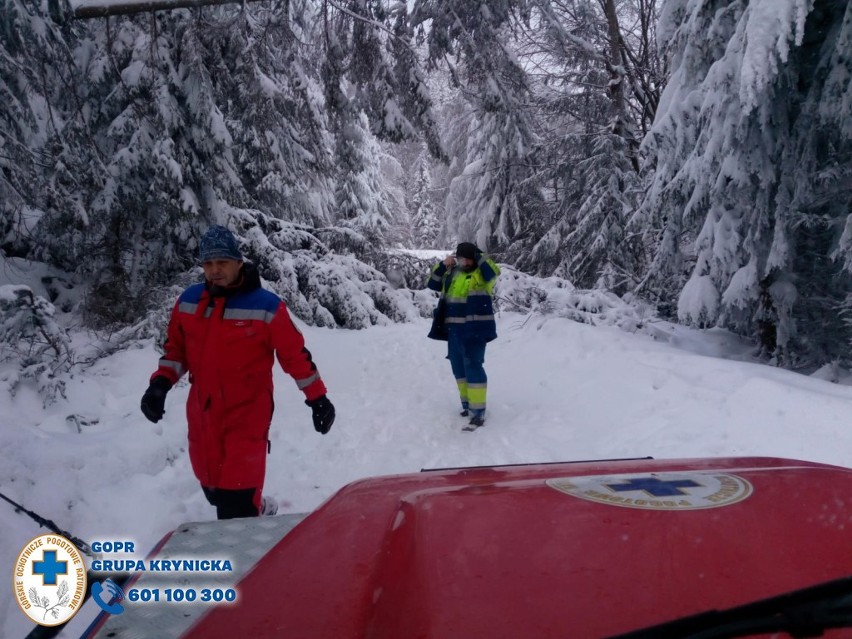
(587, 549)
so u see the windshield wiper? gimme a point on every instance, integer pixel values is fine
(808, 612)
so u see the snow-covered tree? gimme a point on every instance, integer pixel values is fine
(181, 113)
(359, 198)
(485, 201)
(594, 84)
(455, 116)
(122, 140)
(39, 150)
(374, 91)
(751, 148)
(272, 100)
(371, 66)
(33, 347)
(545, 154)
(424, 222)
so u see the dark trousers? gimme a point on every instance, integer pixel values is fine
(232, 503)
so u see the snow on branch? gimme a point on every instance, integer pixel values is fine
(771, 27)
(319, 285)
(517, 291)
(104, 8)
(32, 345)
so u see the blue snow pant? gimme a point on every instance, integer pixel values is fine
(466, 358)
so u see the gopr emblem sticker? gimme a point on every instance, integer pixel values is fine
(50, 580)
(658, 491)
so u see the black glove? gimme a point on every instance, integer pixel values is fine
(323, 413)
(154, 399)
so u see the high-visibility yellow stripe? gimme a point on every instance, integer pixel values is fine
(462, 384)
(476, 395)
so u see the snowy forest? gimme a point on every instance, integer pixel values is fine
(690, 156)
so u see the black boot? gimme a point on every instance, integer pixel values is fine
(232, 503)
(477, 421)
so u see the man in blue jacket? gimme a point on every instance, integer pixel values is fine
(466, 283)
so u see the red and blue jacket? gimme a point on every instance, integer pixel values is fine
(228, 341)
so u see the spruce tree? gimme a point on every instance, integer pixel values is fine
(423, 218)
(747, 206)
(485, 201)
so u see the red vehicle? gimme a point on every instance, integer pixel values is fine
(738, 547)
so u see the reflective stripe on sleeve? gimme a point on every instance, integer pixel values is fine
(177, 367)
(302, 384)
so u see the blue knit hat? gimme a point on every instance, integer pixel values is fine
(218, 243)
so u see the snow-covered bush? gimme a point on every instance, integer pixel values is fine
(320, 286)
(699, 302)
(517, 291)
(32, 345)
(404, 269)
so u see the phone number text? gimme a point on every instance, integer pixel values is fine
(181, 595)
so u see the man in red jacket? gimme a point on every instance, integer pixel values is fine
(225, 333)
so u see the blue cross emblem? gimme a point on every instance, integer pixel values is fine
(48, 568)
(655, 487)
